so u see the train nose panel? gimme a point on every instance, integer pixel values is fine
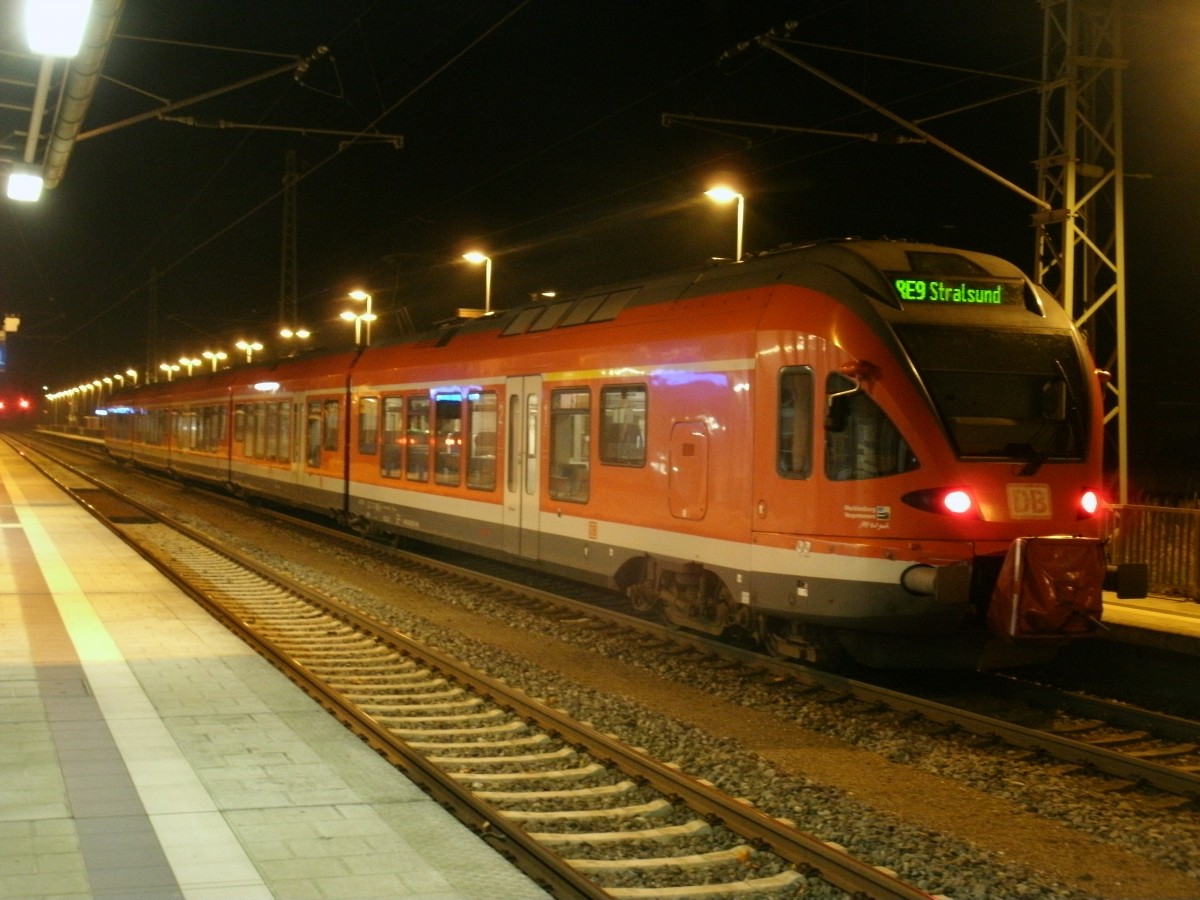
(1049, 587)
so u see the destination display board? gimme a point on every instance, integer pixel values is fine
(957, 291)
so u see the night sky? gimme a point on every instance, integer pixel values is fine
(533, 129)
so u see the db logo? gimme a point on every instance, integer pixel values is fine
(1029, 501)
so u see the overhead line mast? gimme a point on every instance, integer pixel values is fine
(1080, 236)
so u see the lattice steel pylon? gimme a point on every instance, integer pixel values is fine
(1080, 252)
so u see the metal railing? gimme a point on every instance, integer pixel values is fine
(1166, 539)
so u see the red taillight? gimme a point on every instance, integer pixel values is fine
(1089, 503)
(23, 403)
(958, 502)
(946, 501)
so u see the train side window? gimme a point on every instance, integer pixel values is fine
(261, 429)
(314, 433)
(332, 416)
(794, 422)
(285, 431)
(393, 437)
(239, 423)
(417, 461)
(860, 440)
(623, 425)
(481, 471)
(185, 429)
(570, 444)
(448, 409)
(271, 424)
(368, 425)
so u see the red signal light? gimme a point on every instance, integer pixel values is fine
(947, 501)
(958, 502)
(1089, 503)
(23, 403)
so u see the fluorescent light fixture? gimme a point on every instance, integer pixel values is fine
(55, 27)
(24, 185)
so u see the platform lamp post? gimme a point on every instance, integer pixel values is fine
(170, 369)
(215, 357)
(294, 334)
(366, 316)
(476, 257)
(249, 348)
(188, 363)
(133, 375)
(723, 194)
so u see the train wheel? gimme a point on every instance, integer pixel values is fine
(643, 598)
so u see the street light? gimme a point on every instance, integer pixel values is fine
(249, 348)
(215, 358)
(169, 368)
(132, 373)
(474, 256)
(723, 194)
(367, 316)
(188, 364)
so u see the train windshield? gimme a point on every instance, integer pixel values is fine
(1004, 394)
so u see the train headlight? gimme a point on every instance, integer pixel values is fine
(1089, 503)
(946, 501)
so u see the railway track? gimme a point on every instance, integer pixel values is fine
(577, 809)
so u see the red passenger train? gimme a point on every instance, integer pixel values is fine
(885, 449)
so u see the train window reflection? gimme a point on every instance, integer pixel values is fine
(368, 425)
(623, 425)
(393, 437)
(481, 473)
(860, 440)
(416, 466)
(332, 415)
(795, 422)
(570, 444)
(449, 439)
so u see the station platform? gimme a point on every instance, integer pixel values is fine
(1162, 623)
(146, 752)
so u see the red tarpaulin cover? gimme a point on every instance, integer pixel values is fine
(1049, 586)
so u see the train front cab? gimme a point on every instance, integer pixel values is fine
(871, 432)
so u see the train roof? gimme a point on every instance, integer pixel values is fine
(858, 273)
(847, 269)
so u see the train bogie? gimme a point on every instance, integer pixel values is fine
(793, 448)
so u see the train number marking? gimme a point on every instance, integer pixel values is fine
(1029, 501)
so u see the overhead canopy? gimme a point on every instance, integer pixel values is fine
(43, 101)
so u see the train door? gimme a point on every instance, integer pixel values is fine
(521, 499)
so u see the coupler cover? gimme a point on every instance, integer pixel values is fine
(1049, 587)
